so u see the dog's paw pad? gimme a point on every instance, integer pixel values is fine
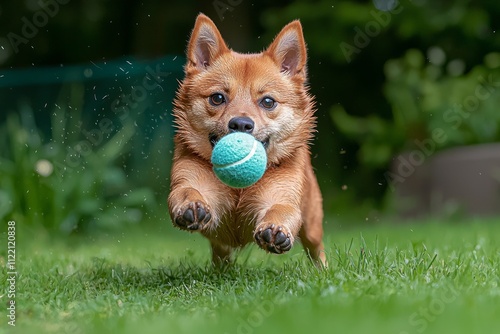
(193, 216)
(274, 239)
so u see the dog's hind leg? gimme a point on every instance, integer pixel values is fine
(311, 232)
(221, 254)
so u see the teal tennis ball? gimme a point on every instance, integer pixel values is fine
(239, 160)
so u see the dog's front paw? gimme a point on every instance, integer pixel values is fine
(274, 239)
(193, 216)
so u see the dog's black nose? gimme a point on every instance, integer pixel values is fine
(241, 124)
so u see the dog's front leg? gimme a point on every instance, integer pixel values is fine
(277, 198)
(196, 198)
(277, 230)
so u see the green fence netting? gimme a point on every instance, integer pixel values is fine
(152, 83)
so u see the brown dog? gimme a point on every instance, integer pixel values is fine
(264, 94)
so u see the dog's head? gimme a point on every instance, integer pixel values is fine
(263, 94)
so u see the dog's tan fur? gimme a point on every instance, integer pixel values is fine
(287, 200)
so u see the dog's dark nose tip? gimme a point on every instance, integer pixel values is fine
(241, 124)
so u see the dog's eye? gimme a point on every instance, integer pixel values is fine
(216, 99)
(268, 103)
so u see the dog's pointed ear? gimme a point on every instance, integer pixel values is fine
(288, 50)
(205, 44)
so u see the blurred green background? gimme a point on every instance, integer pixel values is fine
(86, 89)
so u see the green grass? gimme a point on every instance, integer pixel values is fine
(420, 278)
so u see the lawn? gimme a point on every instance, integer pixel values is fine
(424, 277)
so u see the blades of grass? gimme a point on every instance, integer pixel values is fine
(430, 264)
(348, 256)
(361, 266)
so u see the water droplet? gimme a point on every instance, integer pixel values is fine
(88, 72)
